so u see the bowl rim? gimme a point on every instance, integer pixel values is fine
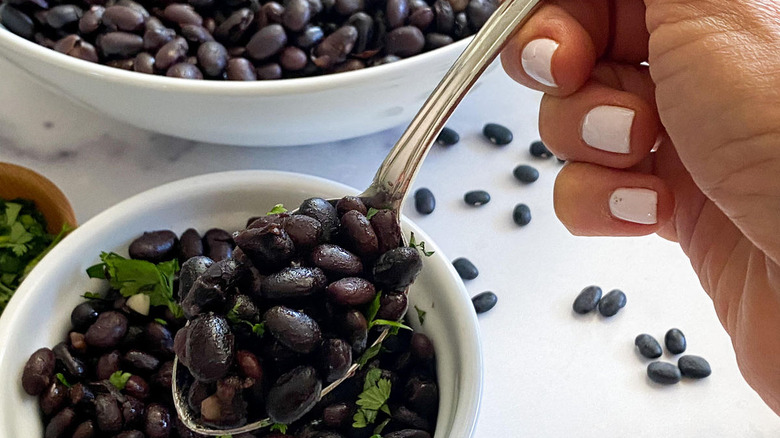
(292, 86)
(470, 395)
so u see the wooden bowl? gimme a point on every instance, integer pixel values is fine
(21, 182)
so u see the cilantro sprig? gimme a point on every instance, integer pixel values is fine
(131, 277)
(279, 427)
(419, 245)
(119, 379)
(277, 209)
(258, 329)
(373, 399)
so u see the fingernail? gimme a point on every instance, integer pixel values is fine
(537, 60)
(634, 205)
(608, 128)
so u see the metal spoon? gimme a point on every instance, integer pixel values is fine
(398, 170)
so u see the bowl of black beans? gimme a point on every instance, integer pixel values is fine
(245, 72)
(263, 308)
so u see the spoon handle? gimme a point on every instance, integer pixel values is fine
(397, 172)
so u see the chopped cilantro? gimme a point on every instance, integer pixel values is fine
(258, 329)
(279, 427)
(373, 308)
(119, 379)
(92, 296)
(378, 430)
(224, 436)
(63, 380)
(373, 399)
(161, 321)
(371, 212)
(133, 277)
(419, 245)
(369, 354)
(394, 324)
(278, 208)
(420, 315)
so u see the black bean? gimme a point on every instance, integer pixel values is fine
(60, 424)
(521, 214)
(422, 18)
(293, 395)
(162, 378)
(293, 58)
(587, 300)
(612, 303)
(133, 5)
(72, 364)
(405, 41)
(406, 417)
(295, 330)
(539, 149)
(477, 197)
(335, 359)
(360, 234)
(196, 34)
(182, 14)
(479, 11)
(408, 433)
(397, 12)
(249, 365)
(83, 315)
(447, 136)
(267, 42)
(336, 415)
(209, 347)
(335, 48)
(81, 397)
(525, 173)
(155, 246)
(124, 64)
(63, 15)
(675, 341)
(497, 134)
(133, 411)
(140, 361)
(348, 203)
(365, 30)
(465, 268)
(156, 36)
(122, 18)
(484, 301)
(663, 373)
(190, 270)
(386, 60)
(233, 28)
(108, 364)
(171, 53)
(86, 429)
(354, 327)
(445, 16)
(460, 29)
(294, 283)
(158, 421)
(648, 346)
(92, 19)
(119, 44)
(336, 261)
(144, 63)
(131, 434)
(310, 36)
(351, 291)
(324, 212)
(190, 243)
(184, 70)
(53, 398)
(269, 247)
(304, 231)
(17, 21)
(392, 306)
(296, 14)
(422, 395)
(695, 367)
(396, 269)
(387, 229)
(107, 331)
(421, 348)
(137, 387)
(240, 69)
(109, 416)
(424, 201)
(348, 7)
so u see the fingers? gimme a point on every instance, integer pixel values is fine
(558, 47)
(592, 200)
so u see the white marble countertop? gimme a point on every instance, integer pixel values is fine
(548, 373)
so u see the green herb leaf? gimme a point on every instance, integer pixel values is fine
(373, 308)
(380, 427)
(258, 329)
(278, 208)
(161, 321)
(279, 427)
(420, 246)
(420, 315)
(133, 277)
(63, 380)
(373, 399)
(395, 324)
(119, 379)
(224, 436)
(369, 354)
(232, 316)
(92, 296)
(371, 212)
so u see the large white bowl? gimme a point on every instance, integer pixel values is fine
(39, 313)
(260, 113)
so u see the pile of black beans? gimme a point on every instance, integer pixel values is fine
(244, 39)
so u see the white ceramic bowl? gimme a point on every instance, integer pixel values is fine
(39, 313)
(261, 113)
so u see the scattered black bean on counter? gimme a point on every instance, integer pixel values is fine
(424, 201)
(612, 302)
(484, 301)
(648, 346)
(675, 341)
(476, 197)
(694, 367)
(525, 173)
(539, 149)
(465, 268)
(521, 214)
(497, 134)
(447, 137)
(663, 372)
(587, 300)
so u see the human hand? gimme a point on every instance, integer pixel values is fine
(710, 101)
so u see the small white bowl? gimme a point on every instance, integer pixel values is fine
(260, 113)
(39, 313)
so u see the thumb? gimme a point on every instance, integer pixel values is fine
(717, 78)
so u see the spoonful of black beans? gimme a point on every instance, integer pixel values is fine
(331, 279)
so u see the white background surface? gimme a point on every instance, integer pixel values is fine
(548, 372)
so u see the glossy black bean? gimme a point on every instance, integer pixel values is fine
(158, 421)
(293, 395)
(131, 434)
(422, 395)
(359, 233)
(295, 330)
(387, 229)
(422, 18)
(336, 261)
(445, 16)
(249, 365)
(479, 11)
(396, 11)
(396, 269)
(155, 246)
(310, 36)
(354, 328)
(212, 58)
(53, 398)
(269, 247)
(648, 346)
(81, 396)
(267, 42)
(133, 5)
(296, 15)
(694, 367)
(365, 30)
(72, 364)
(209, 347)
(497, 134)
(305, 231)
(587, 300)
(107, 331)
(334, 49)
(63, 15)
(392, 306)
(521, 215)
(612, 302)
(122, 18)
(184, 70)
(407, 417)
(351, 291)
(539, 149)
(171, 53)
(447, 136)
(233, 28)
(240, 69)
(460, 29)
(87, 429)
(108, 414)
(348, 203)
(121, 44)
(385, 60)
(190, 270)
(124, 64)
(294, 283)
(293, 58)
(466, 270)
(348, 7)
(140, 361)
(17, 21)
(133, 411)
(244, 308)
(162, 378)
(421, 348)
(405, 41)
(675, 341)
(484, 302)
(476, 197)
(38, 372)
(335, 359)
(59, 425)
(424, 201)
(137, 387)
(336, 415)
(196, 34)
(525, 173)
(92, 19)
(156, 36)
(108, 364)
(182, 14)
(408, 433)
(144, 63)
(663, 373)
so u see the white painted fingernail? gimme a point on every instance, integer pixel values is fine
(634, 205)
(608, 128)
(537, 60)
